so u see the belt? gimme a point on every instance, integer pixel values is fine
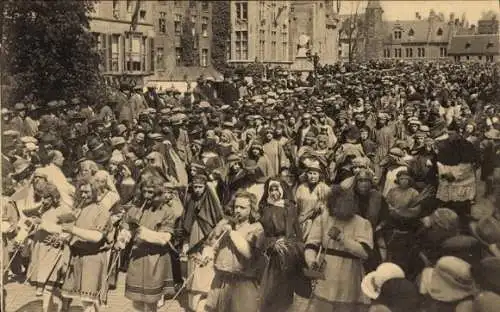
(340, 253)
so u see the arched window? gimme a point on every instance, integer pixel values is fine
(440, 32)
(411, 33)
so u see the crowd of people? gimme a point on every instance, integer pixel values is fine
(352, 189)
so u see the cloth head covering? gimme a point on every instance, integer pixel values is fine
(103, 175)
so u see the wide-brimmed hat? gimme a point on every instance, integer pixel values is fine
(486, 230)
(19, 106)
(20, 165)
(487, 274)
(399, 294)
(450, 280)
(117, 141)
(492, 134)
(486, 301)
(372, 282)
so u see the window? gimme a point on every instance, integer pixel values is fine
(177, 24)
(129, 6)
(178, 56)
(387, 52)
(262, 49)
(421, 52)
(440, 32)
(443, 52)
(134, 54)
(273, 49)
(142, 15)
(241, 10)
(285, 50)
(192, 3)
(116, 9)
(143, 53)
(409, 52)
(162, 23)
(177, 3)
(467, 57)
(397, 34)
(193, 19)
(204, 5)
(411, 33)
(115, 52)
(152, 56)
(204, 26)
(241, 45)
(489, 58)
(204, 57)
(397, 52)
(273, 33)
(479, 57)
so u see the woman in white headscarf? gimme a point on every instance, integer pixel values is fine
(54, 175)
(107, 195)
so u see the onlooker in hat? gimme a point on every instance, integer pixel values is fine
(399, 295)
(448, 285)
(374, 281)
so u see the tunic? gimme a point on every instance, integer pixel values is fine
(150, 271)
(307, 200)
(343, 275)
(89, 261)
(276, 157)
(46, 263)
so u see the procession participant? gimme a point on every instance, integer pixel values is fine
(347, 240)
(385, 137)
(89, 245)
(283, 255)
(311, 197)
(391, 165)
(46, 267)
(151, 224)
(234, 287)
(234, 179)
(273, 151)
(10, 219)
(456, 161)
(202, 212)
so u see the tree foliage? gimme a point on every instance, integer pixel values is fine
(190, 55)
(49, 51)
(221, 34)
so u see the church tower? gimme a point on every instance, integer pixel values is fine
(374, 37)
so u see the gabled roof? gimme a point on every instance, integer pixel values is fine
(475, 45)
(423, 31)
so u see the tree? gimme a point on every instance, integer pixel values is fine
(190, 55)
(352, 31)
(221, 35)
(49, 52)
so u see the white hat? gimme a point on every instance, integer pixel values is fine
(373, 281)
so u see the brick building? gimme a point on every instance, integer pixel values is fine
(125, 51)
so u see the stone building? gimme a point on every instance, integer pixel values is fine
(417, 39)
(125, 51)
(260, 32)
(169, 25)
(268, 31)
(482, 46)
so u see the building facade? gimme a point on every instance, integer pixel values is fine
(482, 46)
(170, 19)
(269, 31)
(319, 21)
(125, 51)
(260, 32)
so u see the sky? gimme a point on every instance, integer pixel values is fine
(405, 10)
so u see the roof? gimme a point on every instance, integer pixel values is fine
(423, 31)
(474, 45)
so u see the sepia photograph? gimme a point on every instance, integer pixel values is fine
(250, 156)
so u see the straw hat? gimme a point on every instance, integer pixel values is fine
(450, 280)
(486, 230)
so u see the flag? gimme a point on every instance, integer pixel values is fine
(135, 16)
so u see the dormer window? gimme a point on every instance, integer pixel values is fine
(397, 34)
(440, 32)
(411, 33)
(489, 45)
